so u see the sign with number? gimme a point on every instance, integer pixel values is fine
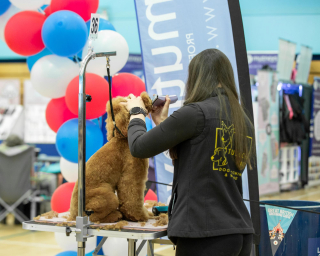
(94, 26)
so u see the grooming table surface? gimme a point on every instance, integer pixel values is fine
(123, 233)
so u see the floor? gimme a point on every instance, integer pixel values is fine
(16, 241)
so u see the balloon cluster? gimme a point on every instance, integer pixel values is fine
(55, 39)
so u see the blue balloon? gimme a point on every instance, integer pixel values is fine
(34, 58)
(64, 33)
(67, 140)
(4, 6)
(148, 124)
(67, 253)
(72, 253)
(103, 25)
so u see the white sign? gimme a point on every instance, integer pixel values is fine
(94, 26)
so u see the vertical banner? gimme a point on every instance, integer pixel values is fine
(279, 220)
(314, 159)
(268, 132)
(172, 32)
(287, 54)
(304, 63)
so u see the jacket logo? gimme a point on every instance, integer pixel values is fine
(224, 146)
(224, 139)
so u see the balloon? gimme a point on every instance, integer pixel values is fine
(67, 140)
(27, 5)
(51, 75)
(61, 197)
(25, 41)
(71, 253)
(97, 87)
(4, 6)
(31, 60)
(47, 10)
(67, 253)
(69, 243)
(125, 83)
(150, 196)
(108, 41)
(5, 17)
(148, 124)
(82, 7)
(69, 170)
(103, 25)
(64, 33)
(57, 113)
(119, 247)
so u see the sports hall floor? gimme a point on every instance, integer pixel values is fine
(16, 241)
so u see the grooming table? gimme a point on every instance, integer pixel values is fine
(132, 235)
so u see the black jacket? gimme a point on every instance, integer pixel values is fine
(207, 187)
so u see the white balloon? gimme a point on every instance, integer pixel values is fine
(28, 4)
(51, 75)
(69, 170)
(108, 41)
(119, 247)
(69, 243)
(5, 17)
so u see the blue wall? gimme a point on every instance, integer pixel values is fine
(264, 23)
(267, 21)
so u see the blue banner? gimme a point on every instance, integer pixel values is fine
(172, 32)
(279, 220)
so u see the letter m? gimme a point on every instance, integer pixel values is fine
(159, 18)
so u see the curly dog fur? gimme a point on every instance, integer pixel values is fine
(113, 169)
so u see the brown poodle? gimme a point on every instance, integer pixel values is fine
(113, 169)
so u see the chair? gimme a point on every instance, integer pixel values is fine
(16, 165)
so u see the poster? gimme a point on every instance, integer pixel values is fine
(314, 159)
(268, 132)
(279, 220)
(257, 60)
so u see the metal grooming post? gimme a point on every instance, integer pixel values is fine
(82, 222)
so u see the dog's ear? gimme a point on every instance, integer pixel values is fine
(147, 101)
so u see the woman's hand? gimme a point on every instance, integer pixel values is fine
(160, 113)
(133, 101)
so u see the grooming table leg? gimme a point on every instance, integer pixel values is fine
(150, 248)
(95, 253)
(132, 247)
(140, 247)
(81, 248)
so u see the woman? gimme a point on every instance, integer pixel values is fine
(210, 142)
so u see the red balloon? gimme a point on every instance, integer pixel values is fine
(57, 113)
(97, 87)
(125, 83)
(150, 196)
(60, 200)
(82, 7)
(23, 33)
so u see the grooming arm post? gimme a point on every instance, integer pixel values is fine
(82, 221)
